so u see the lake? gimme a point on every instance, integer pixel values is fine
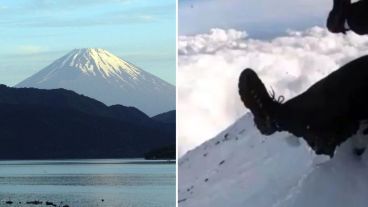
(88, 183)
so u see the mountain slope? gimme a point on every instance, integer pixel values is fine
(103, 76)
(167, 117)
(45, 124)
(240, 168)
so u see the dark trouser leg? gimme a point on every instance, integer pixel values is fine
(337, 17)
(357, 17)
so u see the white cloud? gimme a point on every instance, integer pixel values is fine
(30, 49)
(209, 66)
(146, 17)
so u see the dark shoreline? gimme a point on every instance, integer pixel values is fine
(88, 161)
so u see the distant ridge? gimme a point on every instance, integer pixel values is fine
(56, 124)
(167, 117)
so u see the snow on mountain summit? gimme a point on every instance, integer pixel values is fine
(93, 61)
(242, 168)
(99, 74)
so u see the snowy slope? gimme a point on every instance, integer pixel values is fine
(241, 168)
(101, 75)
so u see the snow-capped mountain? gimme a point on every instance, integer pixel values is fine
(242, 168)
(103, 76)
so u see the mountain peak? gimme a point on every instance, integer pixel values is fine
(99, 74)
(88, 51)
(97, 61)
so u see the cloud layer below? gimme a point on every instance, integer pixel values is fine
(209, 66)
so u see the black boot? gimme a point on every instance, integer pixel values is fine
(255, 97)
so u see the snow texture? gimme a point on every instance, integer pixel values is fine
(242, 168)
(101, 75)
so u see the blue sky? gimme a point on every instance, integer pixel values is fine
(33, 33)
(260, 18)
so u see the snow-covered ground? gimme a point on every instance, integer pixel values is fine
(241, 168)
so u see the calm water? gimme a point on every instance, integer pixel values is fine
(82, 183)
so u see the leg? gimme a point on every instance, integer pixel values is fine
(337, 16)
(357, 17)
